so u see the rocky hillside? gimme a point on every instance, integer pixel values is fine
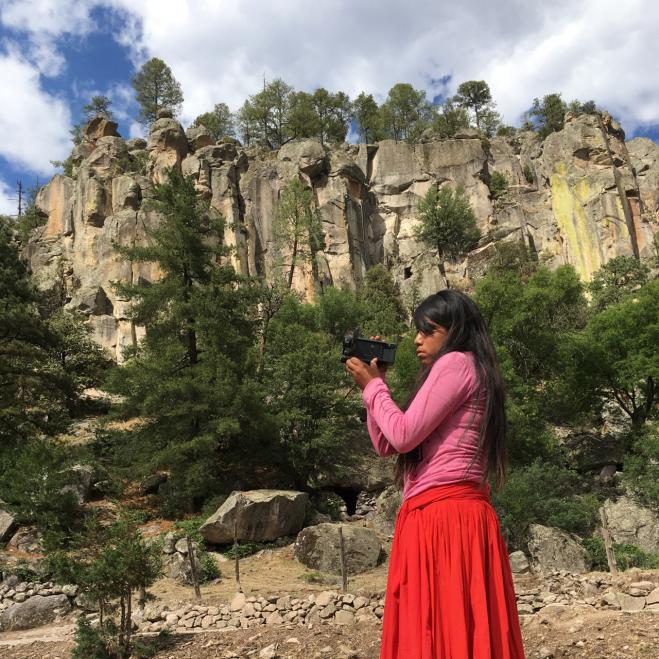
(582, 196)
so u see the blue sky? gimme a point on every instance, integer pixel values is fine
(56, 54)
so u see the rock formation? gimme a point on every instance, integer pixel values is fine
(593, 197)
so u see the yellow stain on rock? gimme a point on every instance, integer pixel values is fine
(585, 250)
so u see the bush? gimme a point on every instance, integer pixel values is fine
(528, 174)
(244, 549)
(498, 184)
(506, 131)
(36, 484)
(109, 564)
(209, 568)
(641, 465)
(546, 494)
(90, 642)
(627, 556)
(190, 527)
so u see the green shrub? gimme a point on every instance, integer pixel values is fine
(90, 642)
(29, 221)
(36, 484)
(641, 464)
(244, 549)
(209, 568)
(627, 556)
(547, 494)
(134, 162)
(528, 174)
(498, 184)
(190, 527)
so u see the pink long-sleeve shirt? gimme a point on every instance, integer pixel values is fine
(444, 417)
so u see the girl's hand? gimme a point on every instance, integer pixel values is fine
(362, 373)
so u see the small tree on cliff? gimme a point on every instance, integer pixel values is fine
(447, 223)
(475, 95)
(219, 121)
(156, 89)
(368, 118)
(549, 114)
(98, 106)
(405, 113)
(297, 227)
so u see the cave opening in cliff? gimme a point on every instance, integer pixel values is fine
(102, 304)
(349, 495)
(407, 272)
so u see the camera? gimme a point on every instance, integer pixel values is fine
(365, 349)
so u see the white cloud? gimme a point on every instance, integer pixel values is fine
(33, 123)
(598, 51)
(41, 23)
(8, 204)
(220, 51)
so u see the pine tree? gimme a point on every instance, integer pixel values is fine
(369, 120)
(405, 114)
(156, 89)
(475, 95)
(447, 223)
(32, 390)
(549, 114)
(99, 106)
(188, 378)
(450, 119)
(305, 384)
(334, 113)
(297, 227)
(219, 121)
(383, 312)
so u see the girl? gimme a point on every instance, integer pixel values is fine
(449, 591)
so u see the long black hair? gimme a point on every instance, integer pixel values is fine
(458, 314)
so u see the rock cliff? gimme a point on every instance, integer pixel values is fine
(592, 196)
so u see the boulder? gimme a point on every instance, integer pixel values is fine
(198, 137)
(260, 516)
(34, 612)
(519, 564)
(166, 134)
(55, 201)
(467, 134)
(6, 525)
(27, 539)
(553, 549)
(177, 566)
(100, 127)
(631, 523)
(387, 506)
(308, 154)
(168, 146)
(106, 160)
(317, 547)
(80, 481)
(169, 543)
(126, 193)
(136, 144)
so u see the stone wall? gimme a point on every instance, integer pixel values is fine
(593, 197)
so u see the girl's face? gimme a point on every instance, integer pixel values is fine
(428, 345)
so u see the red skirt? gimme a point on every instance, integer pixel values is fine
(450, 590)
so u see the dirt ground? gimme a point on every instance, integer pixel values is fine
(579, 631)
